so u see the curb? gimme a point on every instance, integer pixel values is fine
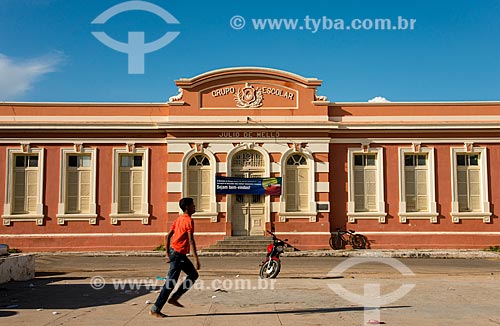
(437, 254)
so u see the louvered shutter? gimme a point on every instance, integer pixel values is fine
(85, 191)
(421, 190)
(72, 191)
(205, 187)
(124, 192)
(462, 190)
(291, 190)
(32, 190)
(303, 189)
(136, 191)
(474, 190)
(359, 190)
(371, 190)
(19, 191)
(411, 205)
(193, 185)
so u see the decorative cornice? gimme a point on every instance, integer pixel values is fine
(176, 98)
(187, 83)
(319, 98)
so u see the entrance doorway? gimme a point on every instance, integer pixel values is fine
(248, 211)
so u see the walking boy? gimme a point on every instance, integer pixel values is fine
(178, 242)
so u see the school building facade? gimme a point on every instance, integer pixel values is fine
(108, 176)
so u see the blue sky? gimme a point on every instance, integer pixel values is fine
(48, 52)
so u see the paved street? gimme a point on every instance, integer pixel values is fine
(77, 290)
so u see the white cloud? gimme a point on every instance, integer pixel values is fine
(378, 99)
(18, 76)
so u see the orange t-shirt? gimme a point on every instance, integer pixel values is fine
(181, 227)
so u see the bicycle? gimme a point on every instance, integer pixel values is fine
(338, 240)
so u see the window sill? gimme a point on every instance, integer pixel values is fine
(309, 215)
(63, 218)
(9, 218)
(457, 216)
(353, 216)
(115, 218)
(431, 216)
(211, 215)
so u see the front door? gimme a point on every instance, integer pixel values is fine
(248, 215)
(248, 211)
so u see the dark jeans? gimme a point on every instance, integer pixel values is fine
(178, 262)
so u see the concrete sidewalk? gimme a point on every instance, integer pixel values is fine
(378, 253)
(118, 290)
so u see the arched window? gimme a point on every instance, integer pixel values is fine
(199, 184)
(248, 160)
(297, 183)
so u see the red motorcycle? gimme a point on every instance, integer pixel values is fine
(271, 266)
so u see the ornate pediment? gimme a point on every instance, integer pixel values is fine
(248, 88)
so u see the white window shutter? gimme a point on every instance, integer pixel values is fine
(291, 189)
(32, 190)
(19, 191)
(85, 191)
(124, 192)
(371, 190)
(463, 205)
(205, 190)
(359, 190)
(136, 191)
(474, 190)
(303, 188)
(411, 205)
(421, 191)
(72, 191)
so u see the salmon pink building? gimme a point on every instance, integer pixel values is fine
(108, 176)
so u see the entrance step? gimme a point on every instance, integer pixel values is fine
(241, 244)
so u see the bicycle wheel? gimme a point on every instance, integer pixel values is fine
(358, 241)
(336, 242)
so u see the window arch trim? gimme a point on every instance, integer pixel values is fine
(213, 212)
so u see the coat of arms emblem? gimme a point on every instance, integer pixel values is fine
(249, 97)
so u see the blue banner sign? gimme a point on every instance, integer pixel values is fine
(242, 186)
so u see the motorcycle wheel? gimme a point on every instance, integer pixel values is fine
(270, 269)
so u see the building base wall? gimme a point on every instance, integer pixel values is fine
(431, 241)
(114, 242)
(318, 240)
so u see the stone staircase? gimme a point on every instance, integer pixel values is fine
(236, 244)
